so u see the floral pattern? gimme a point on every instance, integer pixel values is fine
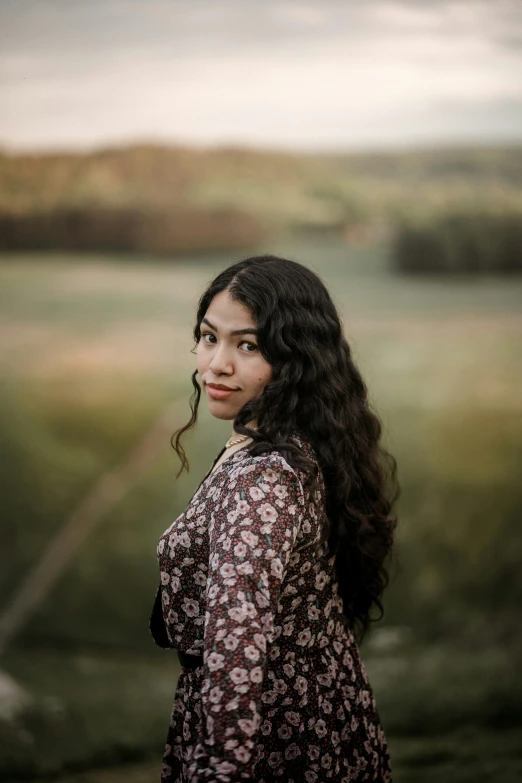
(281, 692)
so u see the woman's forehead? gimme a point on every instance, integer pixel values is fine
(227, 313)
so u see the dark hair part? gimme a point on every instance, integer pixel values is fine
(316, 388)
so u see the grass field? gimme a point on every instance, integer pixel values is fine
(95, 347)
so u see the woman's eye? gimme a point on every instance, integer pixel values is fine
(208, 334)
(250, 346)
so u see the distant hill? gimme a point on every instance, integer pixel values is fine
(269, 191)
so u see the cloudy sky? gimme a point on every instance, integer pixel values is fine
(318, 74)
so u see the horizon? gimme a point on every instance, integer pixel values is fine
(460, 145)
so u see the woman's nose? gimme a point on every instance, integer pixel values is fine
(221, 361)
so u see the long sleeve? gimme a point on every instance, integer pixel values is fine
(253, 526)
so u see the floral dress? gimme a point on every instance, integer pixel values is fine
(281, 692)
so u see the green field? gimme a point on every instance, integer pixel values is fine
(94, 348)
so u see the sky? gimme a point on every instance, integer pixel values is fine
(327, 75)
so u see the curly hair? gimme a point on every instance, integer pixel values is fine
(316, 389)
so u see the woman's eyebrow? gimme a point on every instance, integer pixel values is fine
(248, 330)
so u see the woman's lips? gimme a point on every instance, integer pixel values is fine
(219, 394)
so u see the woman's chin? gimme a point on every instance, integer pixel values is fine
(220, 410)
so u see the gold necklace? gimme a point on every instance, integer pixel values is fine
(234, 441)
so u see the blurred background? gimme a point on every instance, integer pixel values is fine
(144, 147)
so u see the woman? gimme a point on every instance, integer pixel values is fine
(270, 574)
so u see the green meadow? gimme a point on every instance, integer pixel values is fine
(95, 347)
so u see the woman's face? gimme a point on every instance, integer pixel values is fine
(230, 365)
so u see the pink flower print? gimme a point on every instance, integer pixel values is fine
(266, 727)
(213, 591)
(310, 776)
(233, 704)
(267, 513)
(256, 675)
(255, 493)
(245, 568)
(242, 754)
(301, 684)
(365, 699)
(320, 728)
(200, 578)
(252, 653)
(184, 539)
(292, 509)
(288, 670)
(172, 616)
(238, 675)
(225, 767)
(248, 726)
(284, 731)
(215, 661)
(268, 697)
(280, 491)
(304, 637)
(276, 567)
(313, 613)
(292, 751)
(266, 530)
(165, 598)
(275, 759)
(306, 567)
(270, 475)
(249, 538)
(240, 549)
(227, 570)
(293, 717)
(231, 642)
(261, 600)
(338, 646)
(215, 695)
(313, 752)
(249, 609)
(242, 507)
(190, 607)
(165, 578)
(326, 761)
(280, 686)
(161, 546)
(237, 614)
(324, 679)
(260, 641)
(320, 580)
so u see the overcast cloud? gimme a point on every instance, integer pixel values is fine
(328, 74)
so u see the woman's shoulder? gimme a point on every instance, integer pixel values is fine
(271, 466)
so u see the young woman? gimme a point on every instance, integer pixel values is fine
(269, 576)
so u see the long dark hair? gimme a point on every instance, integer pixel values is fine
(316, 389)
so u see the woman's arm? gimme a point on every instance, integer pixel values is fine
(255, 524)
